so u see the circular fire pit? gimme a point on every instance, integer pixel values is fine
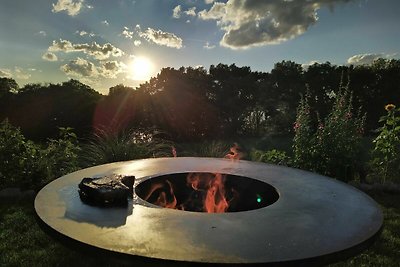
(283, 216)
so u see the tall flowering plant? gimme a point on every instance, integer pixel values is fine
(330, 146)
(386, 153)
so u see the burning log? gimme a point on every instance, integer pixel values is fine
(108, 190)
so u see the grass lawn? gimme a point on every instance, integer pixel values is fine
(22, 243)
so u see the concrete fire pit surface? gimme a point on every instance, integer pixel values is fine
(315, 220)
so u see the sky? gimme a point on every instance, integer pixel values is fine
(103, 43)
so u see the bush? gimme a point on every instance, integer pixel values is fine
(108, 146)
(26, 165)
(60, 156)
(18, 157)
(331, 146)
(273, 156)
(386, 153)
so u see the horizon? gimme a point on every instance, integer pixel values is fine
(103, 44)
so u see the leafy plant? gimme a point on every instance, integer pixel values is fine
(27, 165)
(271, 156)
(60, 156)
(386, 153)
(18, 157)
(108, 146)
(330, 146)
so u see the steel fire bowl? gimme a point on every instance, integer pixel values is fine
(315, 220)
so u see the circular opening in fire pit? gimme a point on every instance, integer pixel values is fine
(207, 192)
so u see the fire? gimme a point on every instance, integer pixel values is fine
(208, 191)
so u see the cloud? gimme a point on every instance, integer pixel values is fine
(48, 56)
(41, 33)
(111, 69)
(127, 33)
(97, 51)
(191, 12)
(19, 73)
(5, 73)
(80, 67)
(305, 66)
(209, 1)
(208, 46)
(71, 7)
(366, 59)
(83, 68)
(249, 23)
(105, 22)
(137, 43)
(161, 38)
(81, 33)
(176, 12)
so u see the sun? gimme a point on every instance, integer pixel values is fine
(141, 69)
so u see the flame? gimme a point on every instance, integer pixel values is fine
(208, 190)
(235, 153)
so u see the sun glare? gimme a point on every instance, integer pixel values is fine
(141, 69)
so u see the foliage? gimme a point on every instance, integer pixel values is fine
(330, 146)
(60, 156)
(213, 149)
(108, 146)
(386, 153)
(26, 164)
(18, 157)
(195, 104)
(273, 156)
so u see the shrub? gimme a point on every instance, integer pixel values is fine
(330, 146)
(25, 164)
(109, 146)
(18, 157)
(386, 153)
(60, 156)
(273, 156)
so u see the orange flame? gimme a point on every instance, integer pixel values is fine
(235, 152)
(211, 187)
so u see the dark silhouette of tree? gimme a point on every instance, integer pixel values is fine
(192, 103)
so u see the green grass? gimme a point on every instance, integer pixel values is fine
(22, 242)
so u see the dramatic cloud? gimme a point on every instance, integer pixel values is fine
(177, 11)
(80, 67)
(5, 73)
(71, 7)
(127, 33)
(111, 69)
(137, 43)
(249, 23)
(366, 59)
(83, 68)
(97, 51)
(161, 38)
(209, 1)
(48, 56)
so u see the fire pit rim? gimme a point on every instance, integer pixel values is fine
(60, 190)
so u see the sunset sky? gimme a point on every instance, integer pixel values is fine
(103, 43)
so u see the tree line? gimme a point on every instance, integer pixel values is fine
(190, 104)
